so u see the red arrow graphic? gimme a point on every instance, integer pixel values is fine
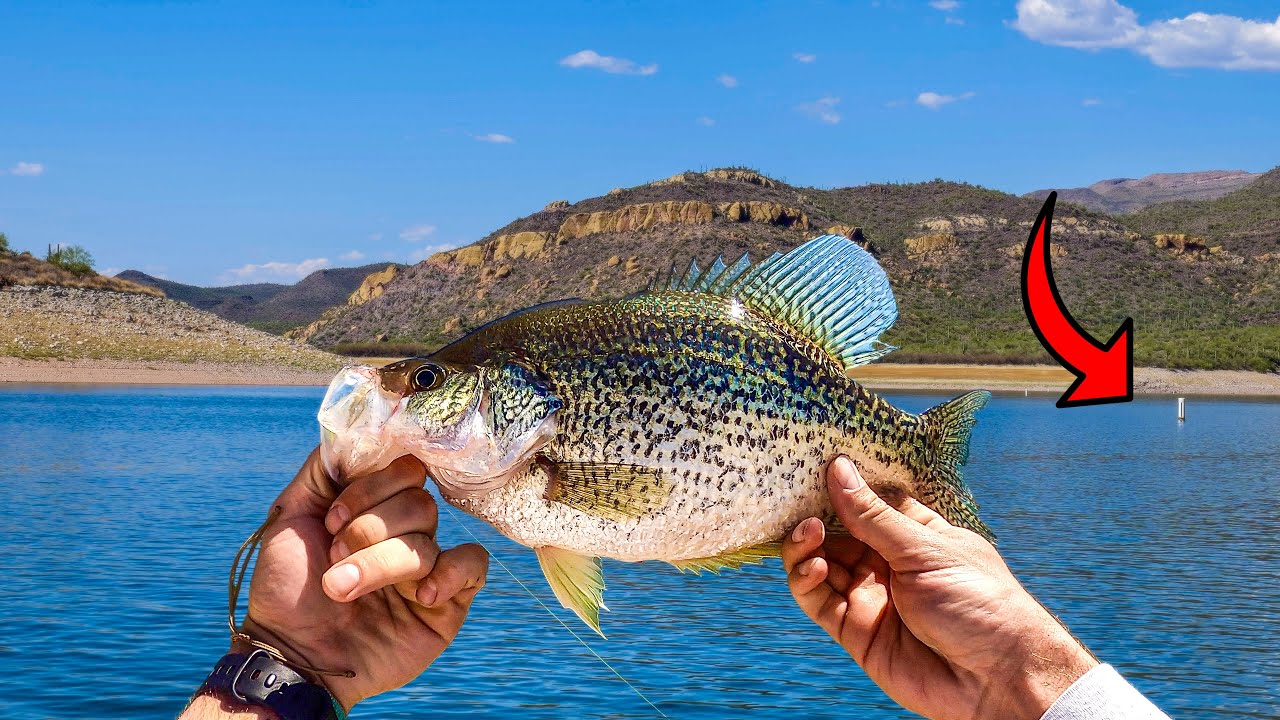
(1104, 373)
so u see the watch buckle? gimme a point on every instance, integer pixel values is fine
(235, 681)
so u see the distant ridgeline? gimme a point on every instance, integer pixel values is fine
(269, 306)
(1201, 278)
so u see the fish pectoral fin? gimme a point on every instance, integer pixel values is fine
(613, 491)
(732, 560)
(577, 580)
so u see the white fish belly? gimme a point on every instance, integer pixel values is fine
(743, 497)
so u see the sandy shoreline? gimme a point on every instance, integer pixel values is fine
(998, 378)
(148, 372)
(1053, 379)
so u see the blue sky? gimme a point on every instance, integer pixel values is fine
(215, 143)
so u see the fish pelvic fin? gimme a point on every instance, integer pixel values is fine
(948, 428)
(829, 289)
(731, 560)
(577, 580)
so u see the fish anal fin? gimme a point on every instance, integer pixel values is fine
(577, 581)
(731, 560)
(614, 491)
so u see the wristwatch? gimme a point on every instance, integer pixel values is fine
(257, 678)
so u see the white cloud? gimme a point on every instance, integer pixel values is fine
(1091, 102)
(614, 65)
(375, 237)
(111, 272)
(933, 100)
(417, 233)
(352, 256)
(274, 271)
(944, 5)
(728, 81)
(951, 20)
(1225, 42)
(706, 121)
(26, 168)
(498, 138)
(823, 109)
(804, 57)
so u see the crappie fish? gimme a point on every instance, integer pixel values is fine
(689, 423)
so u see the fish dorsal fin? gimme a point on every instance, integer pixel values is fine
(830, 289)
(470, 348)
(607, 490)
(577, 580)
(733, 559)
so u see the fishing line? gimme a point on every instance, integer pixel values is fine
(550, 612)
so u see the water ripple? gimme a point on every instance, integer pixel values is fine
(1156, 542)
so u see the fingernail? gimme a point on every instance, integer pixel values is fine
(847, 476)
(340, 551)
(337, 519)
(798, 534)
(427, 593)
(805, 567)
(343, 579)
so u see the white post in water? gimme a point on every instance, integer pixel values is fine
(1182, 410)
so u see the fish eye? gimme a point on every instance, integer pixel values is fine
(428, 376)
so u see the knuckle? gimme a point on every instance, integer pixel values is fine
(424, 547)
(364, 531)
(408, 466)
(375, 564)
(420, 499)
(874, 510)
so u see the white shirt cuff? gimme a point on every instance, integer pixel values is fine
(1101, 694)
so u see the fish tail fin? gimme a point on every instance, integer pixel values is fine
(948, 427)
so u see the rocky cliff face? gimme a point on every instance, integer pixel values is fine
(626, 219)
(373, 285)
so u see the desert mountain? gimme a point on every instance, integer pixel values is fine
(952, 252)
(267, 306)
(1126, 195)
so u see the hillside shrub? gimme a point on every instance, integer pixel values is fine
(72, 258)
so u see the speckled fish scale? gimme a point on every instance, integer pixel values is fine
(697, 417)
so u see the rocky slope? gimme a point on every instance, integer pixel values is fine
(26, 269)
(952, 252)
(267, 306)
(69, 323)
(1126, 195)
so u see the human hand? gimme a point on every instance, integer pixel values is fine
(930, 611)
(354, 580)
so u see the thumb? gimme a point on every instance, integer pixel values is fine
(311, 492)
(895, 536)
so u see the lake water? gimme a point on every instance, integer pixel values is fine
(1156, 542)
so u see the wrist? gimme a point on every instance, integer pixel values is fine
(1047, 661)
(210, 707)
(336, 685)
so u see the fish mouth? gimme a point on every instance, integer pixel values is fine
(353, 424)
